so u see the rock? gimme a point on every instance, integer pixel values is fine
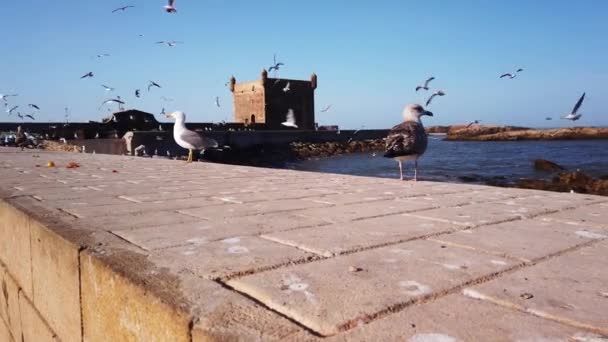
(507, 133)
(576, 181)
(547, 165)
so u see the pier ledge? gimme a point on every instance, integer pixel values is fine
(114, 248)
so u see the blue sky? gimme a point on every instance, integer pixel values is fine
(369, 56)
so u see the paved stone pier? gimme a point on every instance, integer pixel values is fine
(133, 249)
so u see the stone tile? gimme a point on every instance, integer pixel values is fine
(526, 240)
(55, 276)
(475, 214)
(9, 302)
(116, 309)
(35, 328)
(364, 284)
(570, 288)
(539, 201)
(357, 211)
(15, 250)
(142, 219)
(229, 257)
(246, 209)
(190, 233)
(457, 318)
(352, 236)
(595, 215)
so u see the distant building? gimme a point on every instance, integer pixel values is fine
(267, 101)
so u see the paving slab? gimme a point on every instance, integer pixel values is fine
(365, 284)
(457, 318)
(339, 238)
(526, 240)
(156, 237)
(246, 209)
(228, 257)
(595, 215)
(571, 288)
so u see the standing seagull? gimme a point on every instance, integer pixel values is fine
(153, 84)
(123, 8)
(408, 140)
(170, 8)
(88, 74)
(290, 119)
(189, 139)
(573, 116)
(437, 93)
(426, 84)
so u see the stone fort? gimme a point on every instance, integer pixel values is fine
(266, 101)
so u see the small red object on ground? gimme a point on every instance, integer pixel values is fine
(73, 165)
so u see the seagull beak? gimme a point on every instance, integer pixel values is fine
(426, 112)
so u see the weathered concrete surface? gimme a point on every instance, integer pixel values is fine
(131, 249)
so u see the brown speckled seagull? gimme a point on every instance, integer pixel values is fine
(408, 140)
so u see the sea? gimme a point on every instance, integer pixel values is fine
(473, 161)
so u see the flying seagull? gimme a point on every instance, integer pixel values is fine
(512, 74)
(276, 65)
(119, 101)
(170, 8)
(107, 88)
(476, 122)
(287, 87)
(19, 115)
(408, 140)
(548, 118)
(573, 115)
(102, 55)
(290, 119)
(123, 8)
(31, 105)
(190, 140)
(88, 74)
(10, 111)
(437, 93)
(153, 84)
(5, 97)
(326, 109)
(217, 101)
(171, 43)
(137, 93)
(426, 84)
(30, 116)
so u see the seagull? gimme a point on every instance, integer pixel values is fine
(102, 55)
(137, 93)
(408, 140)
(169, 43)
(10, 111)
(5, 97)
(19, 115)
(548, 118)
(31, 105)
(473, 123)
(277, 65)
(107, 88)
(573, 116)
(153, 84)
(287, 87)
(170, 8)
(162, 112)
(437, 93)
(20, 138)
(426, 84)
(124, 8)
(217, 101)
(88, 74)
(512, 74)
(326, 109)
(188, 139)
(119, 101)
(30, 116)
(290, 119)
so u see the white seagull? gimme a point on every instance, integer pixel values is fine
(153, 84)
(190, 140)
(426, 84)
(119, 101)
(511, 74)
(573, 115)
(123, 8)
(107, 88)
(287, 87)
(408, 140)
(170, 8)
(10, 111)
(290, 119)
(437, 93)
(326, 109)
(31, 105)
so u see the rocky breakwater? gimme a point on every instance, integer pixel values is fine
(302, 150)
(565, 181)
(513, 133)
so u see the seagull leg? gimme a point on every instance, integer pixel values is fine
(401, 169)
(416, 170)
(189, 157)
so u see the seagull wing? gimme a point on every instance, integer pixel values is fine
(505, 75)
(290, 117)
(404, 139)
(428, 102)
(171, 2)
(200, 142)
(578, 104)
(30, 116)
(426, 83)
